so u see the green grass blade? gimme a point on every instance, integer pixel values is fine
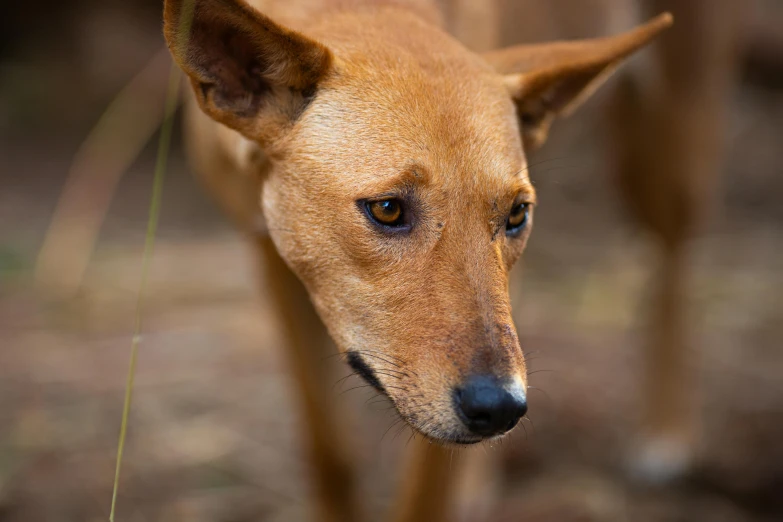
(149, 244)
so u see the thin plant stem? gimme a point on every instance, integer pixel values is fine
(149, 244)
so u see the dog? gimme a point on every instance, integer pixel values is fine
(379, 167)
(677, 98)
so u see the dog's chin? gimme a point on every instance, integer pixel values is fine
(457, 440)
(446, 436)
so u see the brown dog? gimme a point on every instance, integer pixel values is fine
(377, 160)
(677, 101)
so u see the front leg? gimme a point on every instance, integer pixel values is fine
(306, 345)
(479, 484)
(669, 131)
(426, 483)
(447, 484)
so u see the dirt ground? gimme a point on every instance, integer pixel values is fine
(214, 433)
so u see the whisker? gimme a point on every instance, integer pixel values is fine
(375, 400)
(539, 371)
(382, 371)
(525, 430)
(343, 379)
(399, 359)
(402, 428)
(540, 390)
(378, 370)
(356, 388)
(379, 357)
(406, 372)
(371, 397)
(531, 356)
(528, 354)
(393, 424)
(530, 421)
(388, 409)
(542, 162)
(373, 353)
(331, 356)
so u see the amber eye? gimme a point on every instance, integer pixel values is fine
(387, 212)
(517, 218)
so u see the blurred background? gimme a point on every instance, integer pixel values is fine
(214, 431)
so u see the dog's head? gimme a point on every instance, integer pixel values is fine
(398, 190)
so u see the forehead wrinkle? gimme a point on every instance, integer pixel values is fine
(411, 176)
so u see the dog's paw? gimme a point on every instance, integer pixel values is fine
(660, 459)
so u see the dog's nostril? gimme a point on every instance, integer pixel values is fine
(483, 420)
(489, 408)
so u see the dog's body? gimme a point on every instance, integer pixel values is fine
(372, 157)
(677, 100)
(232, 168)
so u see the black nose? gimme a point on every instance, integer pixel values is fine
(489, 408)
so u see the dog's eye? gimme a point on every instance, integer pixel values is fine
(517, 218)
(387, 212)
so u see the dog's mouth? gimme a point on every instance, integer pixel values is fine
(440, 435)
(363, 370)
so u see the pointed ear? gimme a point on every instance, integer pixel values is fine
(247, 72)
(552, 79)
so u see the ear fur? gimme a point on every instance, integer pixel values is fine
(247, 71)
(551, 80)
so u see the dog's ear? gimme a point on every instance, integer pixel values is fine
(247, 71)
(550, 80)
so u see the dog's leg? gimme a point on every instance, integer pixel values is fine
(427, 483)
(447, 484)
(306, 343)
(669, 120)
(479, 484)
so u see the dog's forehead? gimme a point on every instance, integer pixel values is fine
(390, 109)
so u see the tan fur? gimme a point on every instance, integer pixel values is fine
(353, 100)
(678, 102)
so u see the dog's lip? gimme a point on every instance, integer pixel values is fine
(457, 440)
(467, 442)
(365, 371)
(450, 438)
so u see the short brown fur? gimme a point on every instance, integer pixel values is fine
(318, 106)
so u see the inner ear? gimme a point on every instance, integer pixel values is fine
(562, 91)
(231, 68)
(550, 80)
(247, 71)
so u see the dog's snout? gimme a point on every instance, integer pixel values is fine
(487, 407)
